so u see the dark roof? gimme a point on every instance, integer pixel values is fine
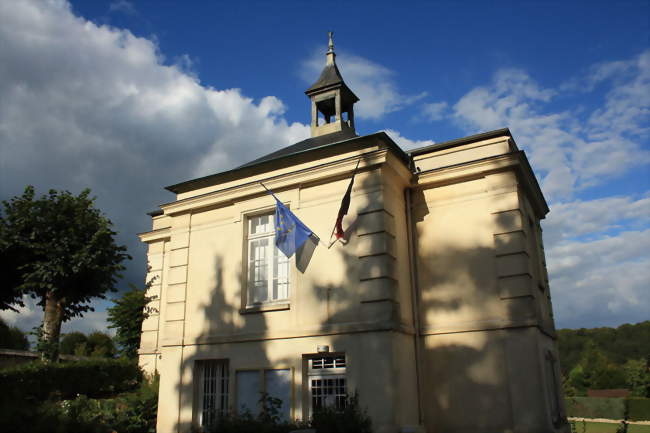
(329, 141)
(304, 145)
(329, 77)
(460, 141)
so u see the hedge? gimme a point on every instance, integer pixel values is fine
(638, 409)
(596, 407)
(39, 381)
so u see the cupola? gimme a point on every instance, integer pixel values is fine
(332, 99)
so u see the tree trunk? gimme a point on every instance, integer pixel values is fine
(52, 318)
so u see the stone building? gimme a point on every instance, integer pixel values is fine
(434, 307)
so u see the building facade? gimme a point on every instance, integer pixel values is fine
(434, 307)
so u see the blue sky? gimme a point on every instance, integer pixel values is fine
(126, 97)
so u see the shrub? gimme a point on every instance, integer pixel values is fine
(352, 419)
(38, 381)
(639, 409)
(133, 412)
(596, 407)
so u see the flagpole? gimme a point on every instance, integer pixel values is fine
(352, 179)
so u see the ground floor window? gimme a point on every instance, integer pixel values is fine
(327, 382)
(212, 391)
(253, 384)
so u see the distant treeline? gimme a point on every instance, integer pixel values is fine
(605, 358)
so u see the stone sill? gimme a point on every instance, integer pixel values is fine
(253, 309)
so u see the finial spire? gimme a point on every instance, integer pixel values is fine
(330, 49)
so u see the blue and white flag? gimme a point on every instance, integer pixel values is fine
(290, 232)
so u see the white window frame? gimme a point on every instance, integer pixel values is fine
(217, 373)
(326, 367)
(276, 269)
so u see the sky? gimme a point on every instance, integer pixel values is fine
(129, 96)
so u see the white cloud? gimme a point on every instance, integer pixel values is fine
(569, 152)
(123, 6)
(372, 83)
(435, 110)
(406, 143)
(85, 105)
(568, 220)
(603, 281)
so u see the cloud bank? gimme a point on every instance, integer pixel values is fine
(87, 105)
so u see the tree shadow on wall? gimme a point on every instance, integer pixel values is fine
(464, 380)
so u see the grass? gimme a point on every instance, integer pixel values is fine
(604, 427)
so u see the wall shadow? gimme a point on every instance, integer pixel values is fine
(466, 372)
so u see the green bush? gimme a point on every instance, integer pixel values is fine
(596, 407)
(639, 409)
(352, 419)
(133, 412)
(39, 381)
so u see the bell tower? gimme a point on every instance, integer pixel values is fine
(332, 100)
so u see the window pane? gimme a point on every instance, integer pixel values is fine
(260, 224)
(248, 391)
(280, 275)
(278, 385)
(258, 270)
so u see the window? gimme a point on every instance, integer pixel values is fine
(327, 383)
(268, 267)
(252, 383)
(212, 391)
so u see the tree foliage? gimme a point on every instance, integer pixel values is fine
(12, 337)
(126, 317)
(96, 344)
(64, 255)
(606, 358)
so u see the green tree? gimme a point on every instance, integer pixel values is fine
(101, 345)
(70, 343)
(68, 256)
(12, 337)
(637, 377)
(126, 317)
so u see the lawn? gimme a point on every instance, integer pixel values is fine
(603, 427)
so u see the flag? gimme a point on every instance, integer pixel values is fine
(290, 232)
(345, 206)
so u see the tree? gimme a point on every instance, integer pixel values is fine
(126, 316)
(70, 343)
(12, 337)
(100, 344)
(67, 256)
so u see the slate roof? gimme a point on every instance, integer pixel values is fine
(301, 146)
(330, 76)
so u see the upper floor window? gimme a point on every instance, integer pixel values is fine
(268, 267)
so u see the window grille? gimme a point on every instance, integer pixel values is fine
(328, 391)
(213, 391)
(328, 362)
